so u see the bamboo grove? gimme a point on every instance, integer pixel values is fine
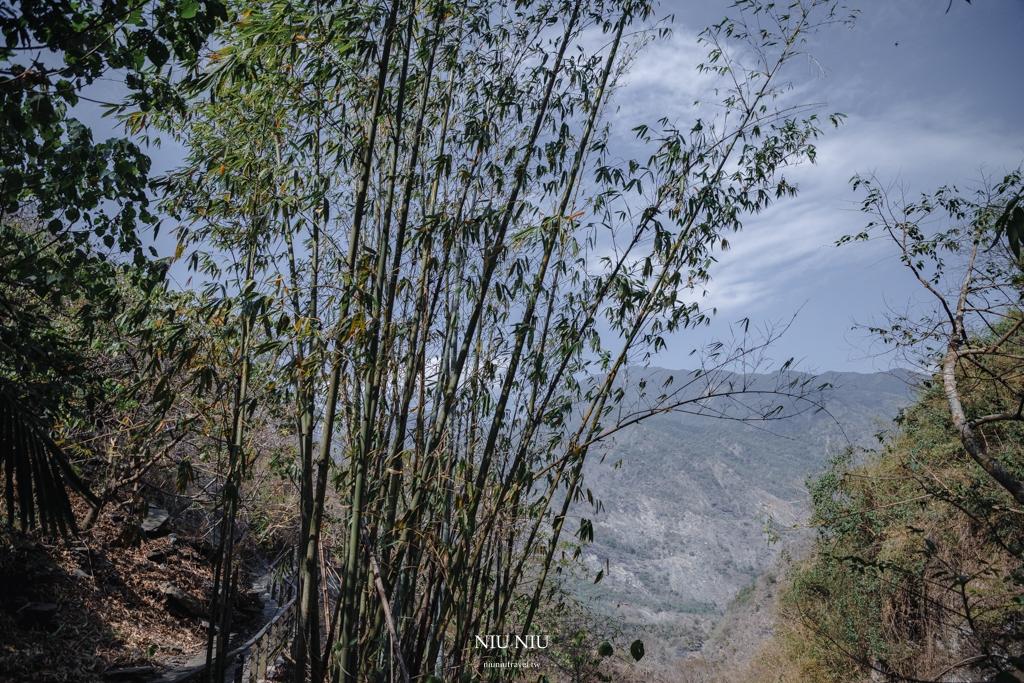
(412, 215)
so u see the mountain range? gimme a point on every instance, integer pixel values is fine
(687, 499)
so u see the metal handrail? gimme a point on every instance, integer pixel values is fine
(266, 643)
(262, 647)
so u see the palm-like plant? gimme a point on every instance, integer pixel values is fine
(36, 472)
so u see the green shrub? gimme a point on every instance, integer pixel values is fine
(917, 563)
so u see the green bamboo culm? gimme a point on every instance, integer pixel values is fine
(457, 276)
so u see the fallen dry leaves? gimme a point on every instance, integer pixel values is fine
(111, 612)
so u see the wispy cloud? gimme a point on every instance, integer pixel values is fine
(929, 103)
(781, 250)
(663, 81)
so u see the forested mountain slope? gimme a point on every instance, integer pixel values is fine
(915, 570)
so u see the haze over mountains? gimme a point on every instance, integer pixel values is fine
(682, 530)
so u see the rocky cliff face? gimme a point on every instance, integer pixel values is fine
(686, 500)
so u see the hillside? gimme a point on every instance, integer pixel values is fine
(915, 572)
(113, 605)
(685, 503)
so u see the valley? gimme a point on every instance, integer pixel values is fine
(686, 501)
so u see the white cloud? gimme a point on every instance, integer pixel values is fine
(930, 102)
(793, 240)
(664, 81)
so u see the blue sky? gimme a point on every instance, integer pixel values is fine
(931, 98)
(944, 106)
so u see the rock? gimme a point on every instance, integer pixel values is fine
(155, 522)
(204, 547)
(161, 555)
(181, 603)
(130, 674)
(45, 576)
(37, 614)
(79, 574)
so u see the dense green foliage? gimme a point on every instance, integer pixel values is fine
(51, 53)
(69, 206)
(917, 568)
(56, 299)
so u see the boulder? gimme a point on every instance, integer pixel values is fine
(155, 522)
(161, 555)
(181, 603)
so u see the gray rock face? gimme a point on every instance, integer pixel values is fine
(686, 498)
(155, 522)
